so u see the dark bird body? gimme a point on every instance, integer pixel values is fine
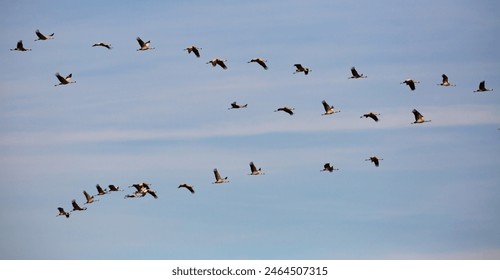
(356, 75)
(42, 37)
(77, 207)
(375, 160)
(113, 188)
(218, 61)
(482, 87)
(102, 44)
(418, 117)
(89, 198)
(20, 47)
(189, 187)
(234, 105)
(64, 80)
(286, 110)
(193, 49)
(260, 61)
(62, 212)
(371, 115)
(144, 46)
(328, 167)
(218, 178)
(100, 190)
(254, 170)
(445, 82)
(300, 68)
(411, 83)
(328, 109)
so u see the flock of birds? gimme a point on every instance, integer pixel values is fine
(142, 189)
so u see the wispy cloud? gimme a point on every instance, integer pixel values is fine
(310, 122)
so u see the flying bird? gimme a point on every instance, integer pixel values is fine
(62, 212)
(418, 117)
(375, 160)
(142, 189)
(113, 188)
(63, 80)
(411, 83)
(43, 37)
(77, 207)
(328, 167)
(328, 109)
(482, 87)
(89, 198)
(286, 109)
(371, 115)
(193, 49)
(445, 82)
(102, 44)
(356, 75)
(20, 47)
(144, 46)
(218, 178)
(132, 195)
(140, 186)
(260, 61)
(254, 170)
(237, 106)
(218, 61)
(300, 68)
(100, 190)
(189, 187)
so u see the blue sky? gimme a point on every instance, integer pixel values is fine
(161, 116)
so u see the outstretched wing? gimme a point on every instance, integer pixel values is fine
(20, 45)
(99, 189)
(87, 196)
(288, 110)
(141, 42)
(326, 105)
(190, 188)
(299, 67)
(61, 78)
(373, 116)
(252, 167)
(221, 64)
(40, 35)
(411, 84)
(153, 193)
(445, 79)
(354, 72)
(217, 175)
(417, 115)
(75, 205)
(482, 86)
(262, 63)
(195, 51)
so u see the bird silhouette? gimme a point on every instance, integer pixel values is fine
(188, 187)
(260, 61)
(300, 68)
(411, 83)
(20, 47)
(355, 74)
